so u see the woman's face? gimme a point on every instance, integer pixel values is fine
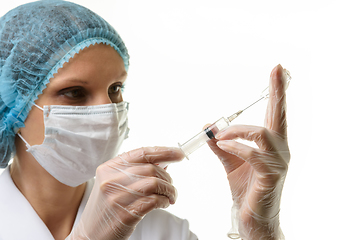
(93, 77)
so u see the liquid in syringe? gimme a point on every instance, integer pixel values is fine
(209, 133)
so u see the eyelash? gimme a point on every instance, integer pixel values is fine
(121, 86)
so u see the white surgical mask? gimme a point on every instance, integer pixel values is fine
(80, 138)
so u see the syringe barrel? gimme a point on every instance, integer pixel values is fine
(204, 136)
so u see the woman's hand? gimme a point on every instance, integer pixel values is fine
(126, 188)
(257, 175)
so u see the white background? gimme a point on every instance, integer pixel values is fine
(193, 62)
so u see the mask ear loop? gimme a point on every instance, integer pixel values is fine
(26, 143)
(21, 137)
(38, 107)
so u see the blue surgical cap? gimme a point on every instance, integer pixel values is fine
(36, 39)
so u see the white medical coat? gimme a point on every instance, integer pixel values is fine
(19, 221)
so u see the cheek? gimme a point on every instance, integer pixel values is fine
(33, 132)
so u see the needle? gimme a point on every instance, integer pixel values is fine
(235, 115)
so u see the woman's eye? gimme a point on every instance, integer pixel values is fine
(74, 93)
(115, 89)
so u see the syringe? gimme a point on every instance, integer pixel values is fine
(209, 133)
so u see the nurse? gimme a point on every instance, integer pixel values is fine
(63, 119)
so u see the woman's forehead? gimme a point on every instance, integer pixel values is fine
(95, 61)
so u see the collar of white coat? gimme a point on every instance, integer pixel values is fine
(18, 220)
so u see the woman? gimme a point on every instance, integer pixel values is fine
(63, 119)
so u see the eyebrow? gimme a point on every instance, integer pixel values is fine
(124, 74)
(78, 81)
(74, 80)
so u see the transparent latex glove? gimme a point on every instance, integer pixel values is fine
(126, 188)
(256, 175)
